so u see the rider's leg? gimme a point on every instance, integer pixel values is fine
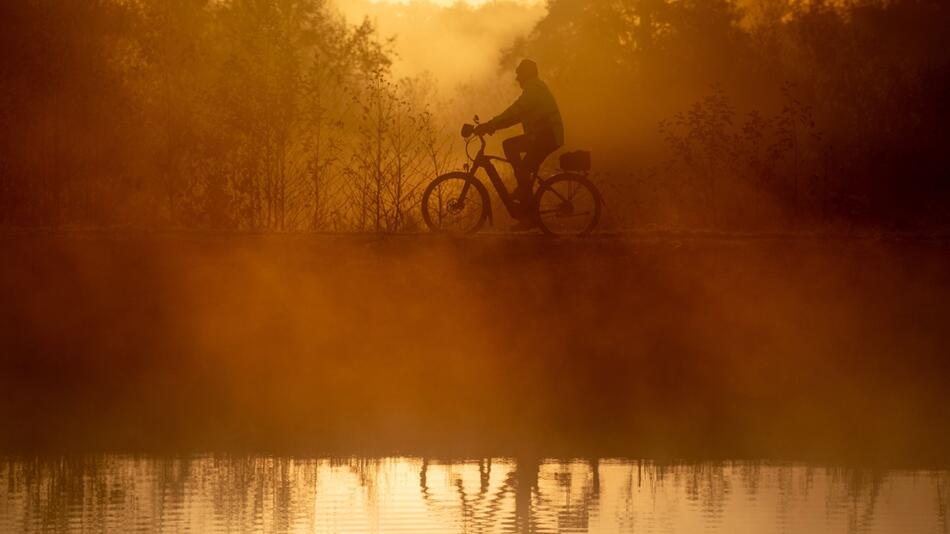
(539, 150)
(514, 147)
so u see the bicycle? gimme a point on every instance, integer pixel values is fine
(566, 203)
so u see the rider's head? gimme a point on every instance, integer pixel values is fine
(527, 70)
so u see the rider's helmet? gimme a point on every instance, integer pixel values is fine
(526, 70)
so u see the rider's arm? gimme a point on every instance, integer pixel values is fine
(511, 116)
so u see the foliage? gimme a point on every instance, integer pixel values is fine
(279, 115)
(844, 108)
(243, 114)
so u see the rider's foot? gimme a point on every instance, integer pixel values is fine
(522, 226)
(521, 195)
(516, 210)
(521, 208)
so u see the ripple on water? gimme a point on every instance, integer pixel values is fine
(272, 494)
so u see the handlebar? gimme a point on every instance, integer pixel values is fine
(481, 148)
(468, 133)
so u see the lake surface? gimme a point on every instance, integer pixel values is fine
(410, 494)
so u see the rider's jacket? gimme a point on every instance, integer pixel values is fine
(536, 110)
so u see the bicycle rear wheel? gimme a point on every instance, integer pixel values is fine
(568, 205)
(455, 203)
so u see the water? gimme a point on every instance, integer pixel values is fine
(410, 494)
(823, 353)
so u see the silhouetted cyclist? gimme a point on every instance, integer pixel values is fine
(538, 114)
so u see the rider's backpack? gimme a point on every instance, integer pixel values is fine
(577, 161)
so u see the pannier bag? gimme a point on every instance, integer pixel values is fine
(577, 161)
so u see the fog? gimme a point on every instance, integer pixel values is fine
(454, 43)
(654, 347)
(218, 290)
(721, 115)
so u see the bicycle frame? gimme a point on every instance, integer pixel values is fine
(484, 161)
(534, 210)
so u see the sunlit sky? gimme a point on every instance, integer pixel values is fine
(445, 3)
(454, 41)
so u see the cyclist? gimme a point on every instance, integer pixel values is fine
(540, 118)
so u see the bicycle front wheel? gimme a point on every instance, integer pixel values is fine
(455, 203)
(568, 205)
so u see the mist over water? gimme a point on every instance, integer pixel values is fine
(218, 313)
(650, 347)
(367, 384)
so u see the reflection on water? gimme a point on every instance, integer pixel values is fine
(227, 493)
